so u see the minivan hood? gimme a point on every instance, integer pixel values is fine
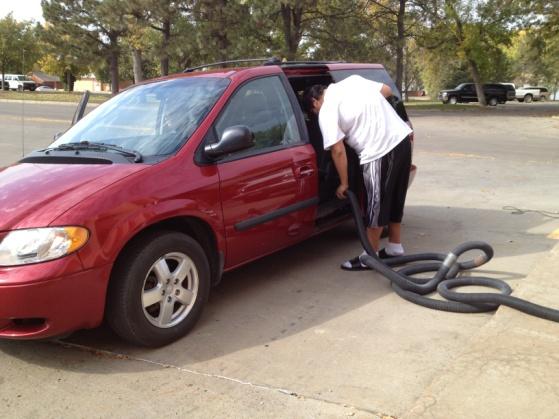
(33, 195)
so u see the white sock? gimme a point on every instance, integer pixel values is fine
(394, 249)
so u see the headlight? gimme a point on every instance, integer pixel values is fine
(20, 247)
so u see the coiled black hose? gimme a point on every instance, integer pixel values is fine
(446, 267)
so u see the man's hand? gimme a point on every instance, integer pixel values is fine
(340, 192)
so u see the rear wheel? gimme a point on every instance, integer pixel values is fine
(493, 101)
(158, 289)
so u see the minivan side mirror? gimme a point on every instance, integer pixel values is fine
(235, 138)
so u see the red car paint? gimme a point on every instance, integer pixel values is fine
(117, 202)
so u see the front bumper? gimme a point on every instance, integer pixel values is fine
(53, 307)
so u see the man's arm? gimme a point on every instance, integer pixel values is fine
(340, 161)
(385, 90)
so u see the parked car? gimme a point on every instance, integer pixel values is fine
(19, 82)
(466, 92)
(138, 209)
(45, 88)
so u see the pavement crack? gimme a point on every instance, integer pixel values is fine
(265, 387)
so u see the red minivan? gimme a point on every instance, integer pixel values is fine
(135, 212)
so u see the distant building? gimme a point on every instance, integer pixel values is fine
(44, 79)
(91, 83)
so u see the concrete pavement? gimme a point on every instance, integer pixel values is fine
(293, 336)
(510, 368)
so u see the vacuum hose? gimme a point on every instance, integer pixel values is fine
(446, 268)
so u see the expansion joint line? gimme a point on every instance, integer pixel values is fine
(116, 355)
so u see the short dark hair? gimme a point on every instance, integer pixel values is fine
(313, 92)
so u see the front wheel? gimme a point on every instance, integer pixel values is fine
(158, 289)
(528, 98)
(493, 101)
(453, 100)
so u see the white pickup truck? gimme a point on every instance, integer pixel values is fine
(528, 94)
(18, 82)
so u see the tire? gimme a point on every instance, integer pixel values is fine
(158, 289)
(520, 100)
(492, 101)
(453, 100)
(20, 88)
(528, 98)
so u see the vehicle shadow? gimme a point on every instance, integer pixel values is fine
(301, 289)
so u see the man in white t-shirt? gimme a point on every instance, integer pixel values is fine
(356, 110)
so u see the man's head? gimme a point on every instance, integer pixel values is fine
(313, 98)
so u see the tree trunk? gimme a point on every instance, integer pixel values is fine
(477, 81)
(217, 15)
(164, 60)
(400, 43)
(137, 65)
(406, 76)
(292, 31)
(69, 84)
(113, 66)
(113, 61)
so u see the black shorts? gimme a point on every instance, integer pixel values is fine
(386, 181)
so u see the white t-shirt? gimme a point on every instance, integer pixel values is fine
(355, 108)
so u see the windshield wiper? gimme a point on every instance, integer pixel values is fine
(94, 146)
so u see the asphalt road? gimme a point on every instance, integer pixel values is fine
(291, 335)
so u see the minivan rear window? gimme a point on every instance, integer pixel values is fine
(375, 74)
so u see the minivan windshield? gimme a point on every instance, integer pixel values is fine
(154, 119)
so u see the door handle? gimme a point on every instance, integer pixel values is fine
(304, 171)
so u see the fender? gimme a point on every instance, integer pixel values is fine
(111, 232)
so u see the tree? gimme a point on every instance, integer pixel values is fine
(161, 16)
(392, 15)
(96, 25)
(18, 46)
(64, 56)
(343, 31)
(535, 51)
(475, 29)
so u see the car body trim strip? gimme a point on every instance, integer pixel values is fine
(261, 219)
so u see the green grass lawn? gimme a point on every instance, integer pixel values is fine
(53, 96)
(437, 105)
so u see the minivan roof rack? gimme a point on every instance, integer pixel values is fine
(288, 63)
(221, 63)
(266, 61)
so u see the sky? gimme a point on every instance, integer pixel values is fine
(22, 9)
